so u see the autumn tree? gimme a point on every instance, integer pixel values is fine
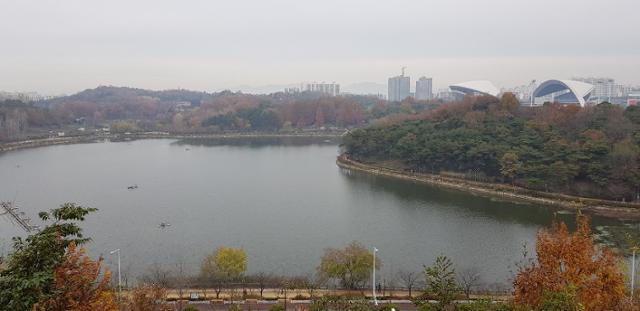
(147, 297)
(509, 102)
(224, 265)
(77, 285)
(28, 276)
(231, 263)
(569, 262)
(352, 265)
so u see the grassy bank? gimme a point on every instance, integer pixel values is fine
(612, 209)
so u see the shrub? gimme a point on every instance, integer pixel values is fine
(387, 307)
(480, 305)
(276, 307)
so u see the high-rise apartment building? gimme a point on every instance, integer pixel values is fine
(332, 89)
(424, 88)
(399, 88)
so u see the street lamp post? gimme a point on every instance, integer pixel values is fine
(119, 277)
(375, 300)
(633, 270)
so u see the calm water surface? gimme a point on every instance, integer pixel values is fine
(283, 201)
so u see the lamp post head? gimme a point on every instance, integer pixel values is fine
(114, 251)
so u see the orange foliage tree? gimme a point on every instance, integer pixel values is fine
(77, 285)
(570, 261)
(147, 297)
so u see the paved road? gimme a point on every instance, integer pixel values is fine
(291, 306)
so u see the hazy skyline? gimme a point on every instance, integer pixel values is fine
(67, 46)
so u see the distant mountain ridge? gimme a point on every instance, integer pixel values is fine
(118, 94)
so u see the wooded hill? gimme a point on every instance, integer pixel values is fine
(182, 111)
(591, 151)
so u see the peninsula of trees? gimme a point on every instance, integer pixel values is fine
(585, 151)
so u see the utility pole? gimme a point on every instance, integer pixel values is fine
(375, 300)
(15, 216)
(633, 270)
(119, 278)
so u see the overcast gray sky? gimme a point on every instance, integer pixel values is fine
(64, 46)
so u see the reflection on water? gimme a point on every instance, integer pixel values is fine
(283, 200)
(502, 210)
(261, 141)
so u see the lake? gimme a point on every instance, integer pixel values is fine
(283, 200)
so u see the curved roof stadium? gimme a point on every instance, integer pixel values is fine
(575, 92)
(476, 87)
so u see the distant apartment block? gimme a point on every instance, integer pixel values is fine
(424, 88)
(292, 90)
(399, 88)
(332, 89)
(447, 95)
(23, 96)
(604, 89)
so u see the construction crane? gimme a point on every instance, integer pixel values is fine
(15, 216)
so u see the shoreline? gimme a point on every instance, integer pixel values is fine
(52, 141)
(605, 208)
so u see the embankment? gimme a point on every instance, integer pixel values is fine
(41, 142)
(612, 209)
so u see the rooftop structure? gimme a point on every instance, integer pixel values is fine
(476, 88)
(564, 91)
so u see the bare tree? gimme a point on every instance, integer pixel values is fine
(469, 278)
(218, 286)
(408, 279)
(262, 279)
(312, 282)
(156, 275)
(179, 280)
(286, 284)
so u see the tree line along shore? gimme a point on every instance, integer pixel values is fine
(606, 208)
(50, 141)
